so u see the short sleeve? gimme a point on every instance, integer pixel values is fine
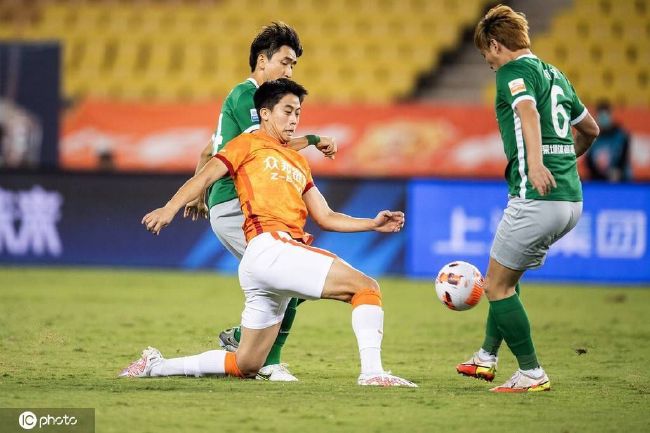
(310, 181)
(245, 113)
(578, 109)
(234, 155)
(515, 84)
(237, 115)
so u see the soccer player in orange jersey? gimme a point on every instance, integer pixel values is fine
(277, 192)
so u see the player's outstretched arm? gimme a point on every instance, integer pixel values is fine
(586, 132)
(540, 177)
(327, 145)
(386, 221)
(160, 218)
(197, 208)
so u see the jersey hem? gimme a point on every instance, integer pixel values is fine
(521, 98)
(580, 117)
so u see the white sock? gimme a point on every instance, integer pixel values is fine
(210, 362)
(484, 355)
(535, 373)
(368, 325)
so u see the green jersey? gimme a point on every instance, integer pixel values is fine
(559, 107)
(238, 115)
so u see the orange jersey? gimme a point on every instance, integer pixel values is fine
(270, 180)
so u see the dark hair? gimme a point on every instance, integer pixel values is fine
(270, 93)
(271, 39)
(603, 105)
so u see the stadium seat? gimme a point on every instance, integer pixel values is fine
(603, 46)
(162, 44)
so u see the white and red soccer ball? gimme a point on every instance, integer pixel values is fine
(459, 285)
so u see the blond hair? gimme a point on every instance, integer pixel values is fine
(504, 25)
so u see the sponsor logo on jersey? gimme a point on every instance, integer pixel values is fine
(517, 86)
(254, 117)
(558, 149)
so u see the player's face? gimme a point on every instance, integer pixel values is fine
(492, 55)
(283, 119)
(281, 64)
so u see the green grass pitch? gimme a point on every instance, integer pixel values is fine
(66, 333)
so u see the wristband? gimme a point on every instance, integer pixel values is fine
(312, 140)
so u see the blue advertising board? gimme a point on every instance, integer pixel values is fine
(94, 219)
(456, 220)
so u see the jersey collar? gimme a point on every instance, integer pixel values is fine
(252, 80)
(530, 56)
(263, 135)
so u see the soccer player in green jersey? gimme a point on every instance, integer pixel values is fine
(273, 54)
(536, 107)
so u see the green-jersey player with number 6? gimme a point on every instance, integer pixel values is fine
(536, 107)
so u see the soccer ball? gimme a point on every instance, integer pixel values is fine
(459, 285)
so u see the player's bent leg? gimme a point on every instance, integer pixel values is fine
(483, 363)
(253, 348)
(512, 320)
(226, 220)
(343, 282)
(153, 364)
(500, 281)
(256, 344)
(347, 284)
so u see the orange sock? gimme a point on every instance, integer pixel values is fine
(367, 297)
(231, 365)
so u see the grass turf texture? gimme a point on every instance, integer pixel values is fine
(66, 333)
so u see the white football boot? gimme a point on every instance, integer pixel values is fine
(142, 367)
(384, 379)
(521, 382)
(276, 373)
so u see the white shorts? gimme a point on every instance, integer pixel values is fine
(227, 220)
(529, 227)
(276, 268)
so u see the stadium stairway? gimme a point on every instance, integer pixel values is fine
(463, 75)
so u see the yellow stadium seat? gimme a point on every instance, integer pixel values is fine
(192, 48)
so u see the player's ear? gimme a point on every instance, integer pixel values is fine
(495, 45)
(265, 113)
(261, 61)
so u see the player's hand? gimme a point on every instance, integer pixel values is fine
(541, 178)
(327, 145)
(158, 219)
(196, 209)
(388, 221)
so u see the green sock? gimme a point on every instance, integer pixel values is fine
(283, 334)
(511, 319)
(493, 337)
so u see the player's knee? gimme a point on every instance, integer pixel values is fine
(495, 292)
(363, 284)
(249, 368)
(488, 288)
(368, 292)
(373, 285)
